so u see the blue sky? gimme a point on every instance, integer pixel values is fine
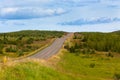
(61, 15)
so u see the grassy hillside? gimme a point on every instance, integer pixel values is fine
(30, 71)
(92, 56)
(89, 67)
(86, 56)
(16, 44)
(69, 67)
(89, 42)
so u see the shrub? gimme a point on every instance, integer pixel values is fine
(66, 46)
(11, 49)
(1, 52)
(109, 54)
(72, 49)
(25, 49)
(20, 53)
(92, 65)
(29, 47)
(117, 76)
(30, 40)
(92, 51)
(1, 47)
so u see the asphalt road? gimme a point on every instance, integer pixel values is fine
(52, 49)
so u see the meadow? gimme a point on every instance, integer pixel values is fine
(69, 67)
(89, 67)
(79, 59)
(92, 56)
(30, 70)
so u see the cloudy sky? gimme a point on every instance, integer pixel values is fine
(62, 15)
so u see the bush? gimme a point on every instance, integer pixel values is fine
(92, 51)
(25, 49)
(1, 47)
(1, 52)
(20, 53)
(99, 41)
(92, 65)
(11, 49)
(29, 47)
(30, 40)
(109, 54)
(66, 46)
(72, 49)
(117, 76)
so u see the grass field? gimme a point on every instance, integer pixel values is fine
(68, 67)
(85, 59)
(89, 67)
(69, 64)
(31, 71)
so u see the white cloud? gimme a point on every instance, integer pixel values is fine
(28, 13)
(12, 13)
(111, 2)
(101, 20)
(13, 3)
(5, 11)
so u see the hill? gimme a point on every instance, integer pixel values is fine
(20, 43)
(93, 56)
(85, 56)
(30, 70)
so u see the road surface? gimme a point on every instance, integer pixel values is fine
(52, 49)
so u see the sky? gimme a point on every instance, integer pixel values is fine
(60, 15)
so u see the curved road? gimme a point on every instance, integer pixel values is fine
(52, 49)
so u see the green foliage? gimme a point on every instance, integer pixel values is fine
(11, 49)
(32, 35)
(1, 48)
(30, 40)
(66, 46)
(72, 49)
(20, 53)
(103, 41)
(26, 41)
(92, 65)
(1, 52)
(97, 41)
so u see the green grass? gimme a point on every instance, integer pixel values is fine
(70, 67)
(31, 71)
(89, 67)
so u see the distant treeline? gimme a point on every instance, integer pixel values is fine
(96, 41)
(24, 41)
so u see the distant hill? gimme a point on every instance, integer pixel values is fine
(117, 32)
(20, 43)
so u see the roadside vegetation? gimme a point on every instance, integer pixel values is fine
(16, 44)
(90, 42)
(89, 67)
(85, 56)
(30, 70)
(92, 56)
